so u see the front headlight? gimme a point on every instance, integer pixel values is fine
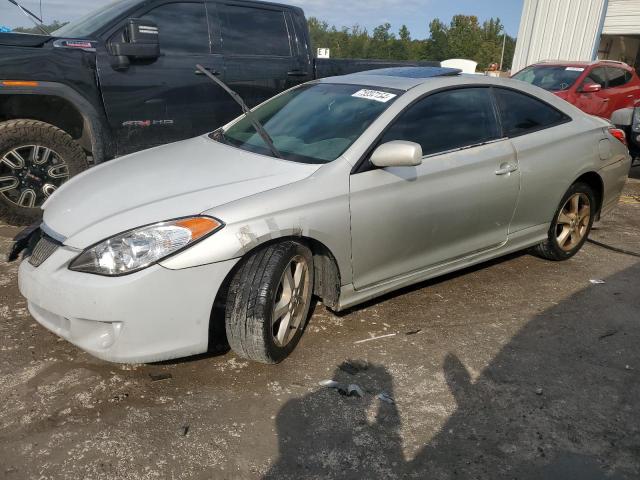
(140, 248)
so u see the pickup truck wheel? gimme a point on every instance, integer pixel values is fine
(268, 302)
(35, 159)
(571, 225)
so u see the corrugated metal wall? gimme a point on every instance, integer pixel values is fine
(623, 18)
(559, 30)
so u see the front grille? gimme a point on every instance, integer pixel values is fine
(43, 250)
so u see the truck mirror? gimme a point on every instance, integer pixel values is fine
(140, 40)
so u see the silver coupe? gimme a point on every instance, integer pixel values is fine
(344, 188)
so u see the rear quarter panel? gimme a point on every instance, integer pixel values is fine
(550, 161)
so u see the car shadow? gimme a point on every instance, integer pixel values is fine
(558, 401)
(635, 173)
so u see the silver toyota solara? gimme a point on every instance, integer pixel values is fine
(344, 189)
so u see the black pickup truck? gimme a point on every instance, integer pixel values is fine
(124, 78)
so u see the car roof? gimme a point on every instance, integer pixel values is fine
(571, 63)
(399, 78)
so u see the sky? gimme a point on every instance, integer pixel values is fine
(416, 14)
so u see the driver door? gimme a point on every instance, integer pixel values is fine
(596, 103)
(459, 201)
(152, 102)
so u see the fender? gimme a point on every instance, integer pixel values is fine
(102, 142)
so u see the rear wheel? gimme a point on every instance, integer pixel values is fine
(571, 225)
(35, 160)
(268, 302)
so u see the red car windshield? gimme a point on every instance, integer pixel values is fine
(554, 78)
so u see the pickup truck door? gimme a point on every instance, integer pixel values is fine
(160, 101)
(260, 50)
(459, 201)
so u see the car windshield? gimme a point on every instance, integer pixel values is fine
(554, 78)
(95, 20)
(314, 123)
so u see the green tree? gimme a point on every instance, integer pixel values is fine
(55, 25)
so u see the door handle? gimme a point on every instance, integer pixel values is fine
(297, 73)
(213, 71)
(506, 169)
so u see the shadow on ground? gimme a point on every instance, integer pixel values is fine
(559, 401)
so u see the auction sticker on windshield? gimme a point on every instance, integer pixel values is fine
(376, 95)
(574, 69)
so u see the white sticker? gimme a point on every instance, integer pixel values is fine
(376, 95)
(574, 69)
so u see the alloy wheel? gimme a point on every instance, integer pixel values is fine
(573, 221)
(290, 301)
(30, 174)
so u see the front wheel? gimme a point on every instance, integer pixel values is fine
(571, 225)
(268, 302)
(35, 160)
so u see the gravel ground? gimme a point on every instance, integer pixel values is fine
(519, 368)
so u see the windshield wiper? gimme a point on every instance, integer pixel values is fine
(247, 112)
(31, 16)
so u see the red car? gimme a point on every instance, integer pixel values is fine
(598, 88)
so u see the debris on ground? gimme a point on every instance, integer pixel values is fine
(184, 430)
(627, 367)
(119, 397)
(351, 390)
(596, 281)
(609, 333)
(538, 391)
(413, 332)
(375, 338)
(385, 397)
(158, 377)
(353, 366)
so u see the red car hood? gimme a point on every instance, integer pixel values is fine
(563, 94)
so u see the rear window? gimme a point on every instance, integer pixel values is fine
(553, 77)
(254, 31)
(522, 114)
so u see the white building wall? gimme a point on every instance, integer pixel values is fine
(560, 30)
(623, 18)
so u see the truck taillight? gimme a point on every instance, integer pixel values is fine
(619, 134)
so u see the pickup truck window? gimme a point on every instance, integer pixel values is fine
(312, 123)
(95, 20)
(254, 31)
(171, 19)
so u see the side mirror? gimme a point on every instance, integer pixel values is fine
(591, 88)
(397, 154)
(141, 40)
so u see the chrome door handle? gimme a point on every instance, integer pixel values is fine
(506, 169)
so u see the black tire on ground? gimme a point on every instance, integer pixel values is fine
(253, 290)
(19, 133)
(550, 249)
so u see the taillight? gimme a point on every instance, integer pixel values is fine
(619, 134)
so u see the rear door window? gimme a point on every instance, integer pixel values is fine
(182, 27)
(521, 114)
(447, 120)
(254, 31)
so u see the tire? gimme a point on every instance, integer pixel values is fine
(557, 249)
(259, 285)
(57, 158)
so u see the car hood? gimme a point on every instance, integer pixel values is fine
(172, 181)
(563, 94)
